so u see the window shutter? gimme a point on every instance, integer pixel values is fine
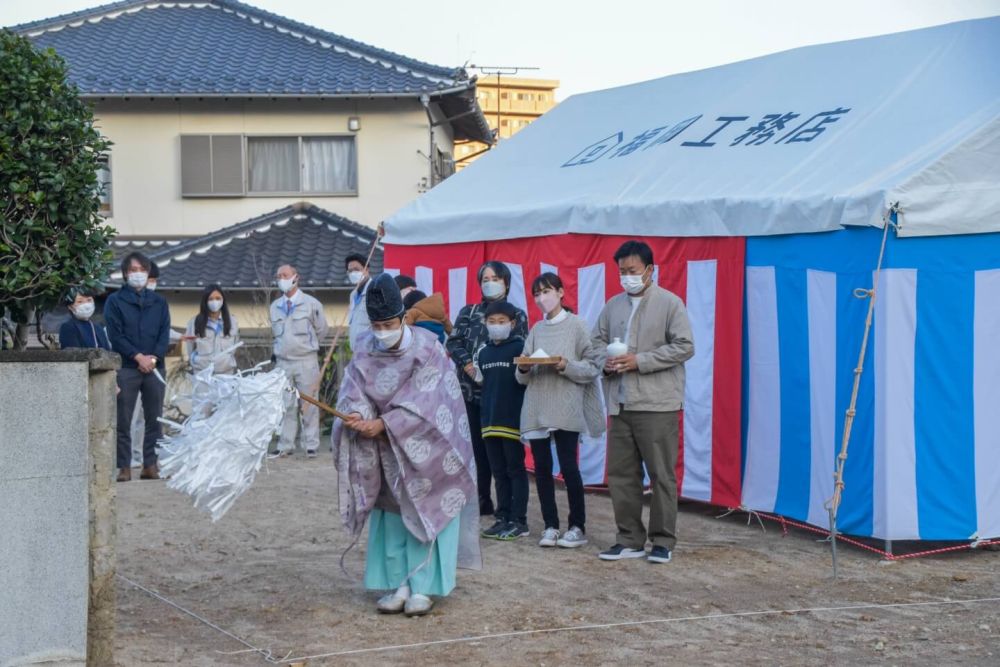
(196, 165)
(227, 164)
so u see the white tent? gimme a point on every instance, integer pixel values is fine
(806, 140)
(792, 158)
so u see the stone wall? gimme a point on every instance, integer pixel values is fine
(57, 524)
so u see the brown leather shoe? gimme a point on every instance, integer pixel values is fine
(150, 472)
(124, 474)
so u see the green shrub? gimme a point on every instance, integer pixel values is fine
(52, 236)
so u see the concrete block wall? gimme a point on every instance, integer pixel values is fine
(57, 525)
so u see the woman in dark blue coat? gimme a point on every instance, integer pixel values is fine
(80, 330)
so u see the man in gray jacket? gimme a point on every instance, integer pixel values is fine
(299, 326)
(644, 392)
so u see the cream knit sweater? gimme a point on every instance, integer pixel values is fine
(566, 400)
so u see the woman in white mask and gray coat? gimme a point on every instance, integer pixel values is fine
(212, 334)
(560, 403)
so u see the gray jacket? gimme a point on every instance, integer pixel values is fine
(297, 335)
(204, 352)
(661, 340)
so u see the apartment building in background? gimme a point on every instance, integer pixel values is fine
(510, 104)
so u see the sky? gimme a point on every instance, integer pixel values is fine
(590, 44)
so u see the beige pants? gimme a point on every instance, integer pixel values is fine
(636, 438)
(304, 376)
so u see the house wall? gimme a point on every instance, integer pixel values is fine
(146, 165)
(250, 313)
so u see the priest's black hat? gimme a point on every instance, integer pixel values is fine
(383, 299)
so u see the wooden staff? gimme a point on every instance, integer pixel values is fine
(323, 406)
(343, 320)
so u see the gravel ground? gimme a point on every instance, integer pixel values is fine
(268, 572)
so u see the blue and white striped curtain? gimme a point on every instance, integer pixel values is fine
(924, 457)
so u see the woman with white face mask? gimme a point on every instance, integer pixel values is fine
(211, 334)
(80, 330)
(468, 336)
(560, 403)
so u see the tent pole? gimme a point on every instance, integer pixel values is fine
(838, 476)
(833, 540)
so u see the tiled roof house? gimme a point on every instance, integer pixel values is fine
(242, 139)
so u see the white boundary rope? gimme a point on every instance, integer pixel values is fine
(268, 656)
(623, 624)
(264, 653)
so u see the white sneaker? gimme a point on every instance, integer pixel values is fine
(550, 537)
(572, 538)
(418, 605)
(278, 454)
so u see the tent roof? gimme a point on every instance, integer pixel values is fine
(806, 140)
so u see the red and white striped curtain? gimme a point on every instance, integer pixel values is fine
(707, 273)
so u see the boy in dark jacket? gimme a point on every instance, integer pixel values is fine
(502, 396)
(138, 324)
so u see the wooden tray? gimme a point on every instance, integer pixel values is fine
(538, 361)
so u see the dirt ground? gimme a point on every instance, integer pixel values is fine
(268, 572)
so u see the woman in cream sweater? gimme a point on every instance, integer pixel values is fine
(560, 402)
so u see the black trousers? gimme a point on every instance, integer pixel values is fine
(483, 476)
(567, 447)
(507, 463)
(135, 384)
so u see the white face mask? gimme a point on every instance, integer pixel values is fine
(150, 285)
(138, 279)
(547, 301)
(387, 338)
(499, 332)
(286, 284)
(493, 289)
(354, 277)
(633, 284)
(83, 311)
(215, 305)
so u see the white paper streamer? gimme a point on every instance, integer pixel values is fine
(221, 446)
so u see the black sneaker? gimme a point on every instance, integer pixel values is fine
(659, 555)
(514, 530)
(620, 551)
(493, 532)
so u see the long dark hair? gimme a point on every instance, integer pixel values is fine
(201, 319)
(548, 279)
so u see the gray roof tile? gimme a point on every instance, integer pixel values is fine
(245, 256)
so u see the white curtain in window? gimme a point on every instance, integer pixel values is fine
(329, 164)
(274, 164)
